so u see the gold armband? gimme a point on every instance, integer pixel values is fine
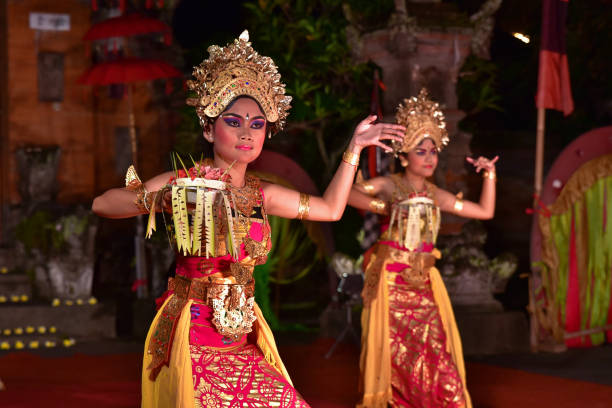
(350, 158)
(367, 187)
(491, 175)
(458, 204)
(144, 199)
(303, 207)
(378, 206)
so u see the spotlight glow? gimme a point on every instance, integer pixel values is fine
(524, 38)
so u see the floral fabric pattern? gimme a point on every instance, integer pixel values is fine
(239, 378)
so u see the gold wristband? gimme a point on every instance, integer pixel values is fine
(491, 175)
(378, 206)
(350, 158)
(303, 207)
(141, 200)
(458, 205)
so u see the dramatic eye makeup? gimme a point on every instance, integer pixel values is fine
(231, 121)
(258, 124)
(420, 152)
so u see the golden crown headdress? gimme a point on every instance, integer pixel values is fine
(238, 70)
(423, 119)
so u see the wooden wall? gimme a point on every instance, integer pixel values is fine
(83, 125)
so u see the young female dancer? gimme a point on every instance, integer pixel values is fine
(411, 352)
(209, 345)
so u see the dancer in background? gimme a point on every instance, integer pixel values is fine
(411, 351)
(209, 345)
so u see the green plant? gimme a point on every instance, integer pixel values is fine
(477, 86)
(47, 233)
(289, 260)
(330, 91)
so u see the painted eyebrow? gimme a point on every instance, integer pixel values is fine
(223, 115)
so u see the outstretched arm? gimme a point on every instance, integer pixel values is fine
(485, 208)
(288, 203)
(371, 195)
(121, 203)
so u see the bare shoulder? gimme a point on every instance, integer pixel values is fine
(272, 189)
(445, 198)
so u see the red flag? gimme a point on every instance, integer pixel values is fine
(554, 88)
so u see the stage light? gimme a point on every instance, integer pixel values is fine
(524, 38)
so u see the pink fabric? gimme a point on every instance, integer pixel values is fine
(240, 378)
(203, 331)
(424, 247)
(572, 303)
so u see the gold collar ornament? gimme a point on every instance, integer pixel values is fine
(238, 70)
(423, 119)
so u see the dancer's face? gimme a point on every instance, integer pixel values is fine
(239, 132)
(423, 159)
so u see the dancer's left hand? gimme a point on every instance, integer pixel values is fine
(482, 163)
(369, 133)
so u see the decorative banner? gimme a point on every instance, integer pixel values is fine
(554, 87)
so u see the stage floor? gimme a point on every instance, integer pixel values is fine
(107, 374)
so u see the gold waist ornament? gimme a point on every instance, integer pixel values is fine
(232, 303)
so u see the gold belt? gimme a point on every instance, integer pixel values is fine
(233, 312)
(417, 274)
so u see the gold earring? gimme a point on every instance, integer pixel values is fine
(404, 162)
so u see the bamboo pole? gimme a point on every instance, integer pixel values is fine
(539, 159)
(537, 187)
(587, 332)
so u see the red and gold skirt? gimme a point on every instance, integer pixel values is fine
(423, 373)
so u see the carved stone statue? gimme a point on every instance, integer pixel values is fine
(472, 278)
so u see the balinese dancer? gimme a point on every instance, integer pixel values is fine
(209, 345)
(411, 351)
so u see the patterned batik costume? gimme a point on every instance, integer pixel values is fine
(411, 351)
(209, 345)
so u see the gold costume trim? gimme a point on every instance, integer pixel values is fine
(238, 70)
(423, 119)
(378, 206)
(491, 175)
(303, 206)
(367, 187)
(173, 386)
(351, 158)
(458, 205)
(375, 359)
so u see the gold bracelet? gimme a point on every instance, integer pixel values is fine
(350, 158)
(303, 207)
(367, 187)
(491, 175)
(141, 199)
(378, 206)
(458, 205)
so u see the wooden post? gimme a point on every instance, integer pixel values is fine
(537, 187)
(539, 159)
(5, 155)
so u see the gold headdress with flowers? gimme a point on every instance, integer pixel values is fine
(423, 119)
(237, 70)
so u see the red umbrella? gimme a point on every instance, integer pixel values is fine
(127, 70)
(125, 26)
